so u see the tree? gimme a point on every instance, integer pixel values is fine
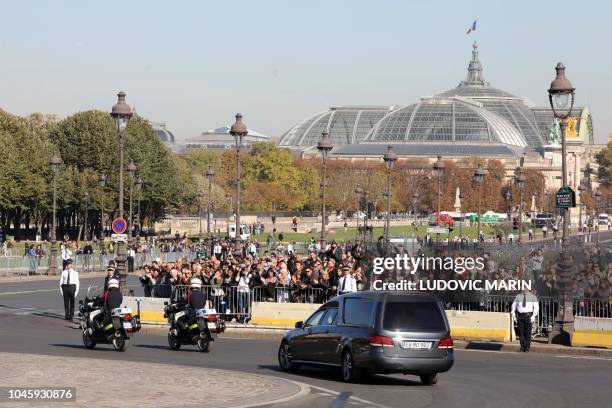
(25, 151)
(604, 160)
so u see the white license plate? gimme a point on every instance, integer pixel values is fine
(416, 345)
(127, 325)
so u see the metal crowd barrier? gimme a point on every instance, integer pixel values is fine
(281, 294)
(231, 302)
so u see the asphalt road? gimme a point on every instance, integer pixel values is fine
(31, 322)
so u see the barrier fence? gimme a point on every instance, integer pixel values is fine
(235, 303)
(39, 265)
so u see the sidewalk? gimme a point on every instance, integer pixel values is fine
(130, 384)
(32, 278)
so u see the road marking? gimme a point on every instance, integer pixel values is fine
(352, 397)
(29, 291)
(536, 353)
(587, 357)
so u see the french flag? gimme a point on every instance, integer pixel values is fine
(472, 27)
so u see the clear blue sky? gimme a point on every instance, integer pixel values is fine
(194, 64)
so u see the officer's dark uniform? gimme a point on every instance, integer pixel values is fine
(111, 299)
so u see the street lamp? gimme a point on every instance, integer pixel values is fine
(390, 157)
(461, 197)
(581, 189)
(561, 98)
(102, 183)
(479, 174)
(508, 205)
(131, 169)
(238, 130)
(228, 197)
(439, 170)
(55, 164)
(121, 112)
(520, 182)
(596, 217)
(358, 193)
(324, 146)
(86, 195)
(210, 173)
(415, 200)
(138, 186)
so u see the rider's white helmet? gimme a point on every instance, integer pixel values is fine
(113, 283)
(196, 283)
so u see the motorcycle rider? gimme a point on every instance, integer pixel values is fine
(192, 300)
(111, 299)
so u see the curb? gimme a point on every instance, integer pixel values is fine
(37, 278)
(275, 332)
(535, 348)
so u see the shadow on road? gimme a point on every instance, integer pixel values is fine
(153, 346)
(334, 375)
(474, 345)
(81, 347)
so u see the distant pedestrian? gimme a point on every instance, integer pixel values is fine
(510, 238)
(530, 234)
(544, 231)
(525, 308)
(69, 288)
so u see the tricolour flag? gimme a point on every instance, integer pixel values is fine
(472, 27)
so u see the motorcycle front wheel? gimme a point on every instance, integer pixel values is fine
(173, 342)
(88, 341)
(205, 345)
(121, 343)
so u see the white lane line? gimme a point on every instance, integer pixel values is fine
(336, 393)
(535, 353)
(587, 357)
(30, 291)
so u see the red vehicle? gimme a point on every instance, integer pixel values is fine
(443, 220)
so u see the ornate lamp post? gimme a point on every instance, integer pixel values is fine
(238, 130)
(138, 186)
(121, 113)
(210, 173)
(439, 170)
(324, 146)
(508, 207)
(85, 235)
(461, 197)
(596, 204)
(390, 157)
(131, 169)
(228, 197)
(581, 189)
(415, 201)
(55, 164)
(479, 174)
(358, 193)
(520, 182)
(561, 97)
(102, 183)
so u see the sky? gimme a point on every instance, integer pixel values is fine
(195, 64)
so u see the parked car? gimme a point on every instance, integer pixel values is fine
(373, 332)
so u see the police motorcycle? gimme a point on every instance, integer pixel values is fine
(191, 320)
(114, 326)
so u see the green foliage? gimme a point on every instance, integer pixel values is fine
(604, 160)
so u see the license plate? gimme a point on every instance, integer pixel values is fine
(127, 325)
(416, 345)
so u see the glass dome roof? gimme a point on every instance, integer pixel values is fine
(472, 112)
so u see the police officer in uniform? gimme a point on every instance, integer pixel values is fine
(69, 288)
(525, 308)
